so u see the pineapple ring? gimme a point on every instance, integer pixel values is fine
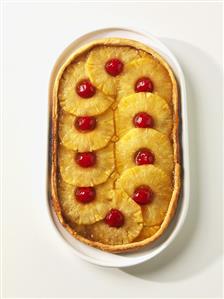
(73, 139)
(125, 234)
(73, 174)
(147, 232)
(146, 67)
(95, 66)
(89, 213)
(151, 139)
(158, 181)
(150, 103)
(71, 102)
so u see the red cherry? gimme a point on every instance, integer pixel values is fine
(114, 67)
(85, 89)
(144, 84)
(143, 120)
(85, 194)
(144, 156)
(86, 159)
(85, 123)
(114, 218)
(143, 195)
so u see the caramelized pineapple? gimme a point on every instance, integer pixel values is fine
(160, 184)
(122, 224)
(148, 146)
(105, 65)
(145, 110)
(145, 74)
(77, 95)
(86, 133)
(147, 232)
(85, 205)
(96, 169)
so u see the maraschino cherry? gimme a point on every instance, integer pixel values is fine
(114, 218)
(143, 120)
(114, 67)
(86, 159)
(85, 194)
(85, 123)
(144, 156)
(85, 89)
(143, 195)
(144, 84)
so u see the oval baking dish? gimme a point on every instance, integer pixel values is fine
(133, 257)
(131, 139)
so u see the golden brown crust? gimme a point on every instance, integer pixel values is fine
(54, 145)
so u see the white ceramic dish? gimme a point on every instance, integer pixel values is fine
(99, 257)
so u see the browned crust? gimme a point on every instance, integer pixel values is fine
(54, 142)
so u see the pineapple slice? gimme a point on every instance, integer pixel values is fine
(161, 185)
(95, 66)
(150, 103)
(98, 138)
(146, 67)
(71, 102)
(131, 228)
(85, 213)
(147, 232)
(136, 139)
(73, 174)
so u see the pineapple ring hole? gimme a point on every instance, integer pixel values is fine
(85, 195)
(144, 156)
(86, 159)
(143, 120)
(144, 84)
(143, 195)
(85, 89)
(85, 123)
(114, 67)
(114, 218)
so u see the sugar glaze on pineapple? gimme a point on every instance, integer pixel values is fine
(115, 162)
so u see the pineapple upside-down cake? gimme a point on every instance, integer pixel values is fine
(115, 169)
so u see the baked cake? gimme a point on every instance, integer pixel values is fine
(115, 166)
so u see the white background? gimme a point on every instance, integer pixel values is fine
(36, 264)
